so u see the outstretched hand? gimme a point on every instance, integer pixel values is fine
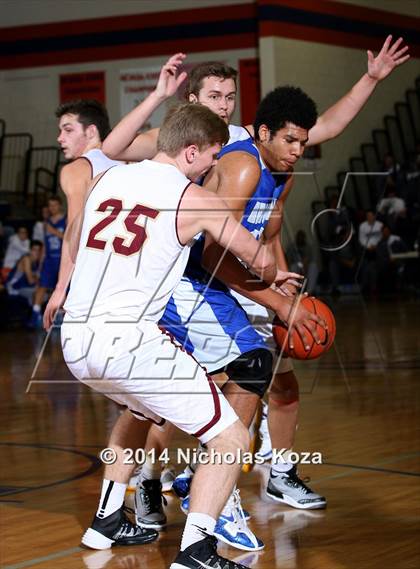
(388, 58)
(169, 80)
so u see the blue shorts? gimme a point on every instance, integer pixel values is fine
(49, 272)
(210, 324)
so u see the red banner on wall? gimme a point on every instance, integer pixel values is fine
(249, 77)
(88, 85)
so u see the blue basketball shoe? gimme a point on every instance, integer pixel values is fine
(231, 527)
(185, 506)
(182, 483)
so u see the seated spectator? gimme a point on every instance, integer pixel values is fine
(38, 232)
(54, 231)
(18, 245)
(24, 276)
(388, 268)
(301, 260)
(395, 175)
(370, 232)
(392, 209)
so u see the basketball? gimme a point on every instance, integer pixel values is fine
(298, 352)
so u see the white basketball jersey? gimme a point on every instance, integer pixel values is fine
(130, 258)
(237, 133)
(99, 161)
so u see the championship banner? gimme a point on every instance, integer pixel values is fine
(135, 85)
(250, 89)
(87, 85)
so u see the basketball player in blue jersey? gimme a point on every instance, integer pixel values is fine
(214, 85)
(53, 240)
(23, 277)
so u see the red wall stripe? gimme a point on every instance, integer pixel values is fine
(317, 35)
(220, 43)
(350, 11)
(172, 18)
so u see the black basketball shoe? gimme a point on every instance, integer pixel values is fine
(203, 555)
(116, 529)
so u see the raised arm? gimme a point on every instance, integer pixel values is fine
(335, 119)
(123, 143)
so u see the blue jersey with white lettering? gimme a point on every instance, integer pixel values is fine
(52, 242)
(202, 313)
(256, 213)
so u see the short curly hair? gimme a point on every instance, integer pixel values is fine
(283, 105)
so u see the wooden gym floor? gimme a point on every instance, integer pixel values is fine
(360, 409)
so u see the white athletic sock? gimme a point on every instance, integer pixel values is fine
(112, 498)
(36, 308)
(194, 526)
(150, 470)
(282, 464)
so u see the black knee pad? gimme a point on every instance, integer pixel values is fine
(252, 371)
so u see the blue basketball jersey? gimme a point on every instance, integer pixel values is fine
(202, 313)
(17, 278)
(256, 214)
(52, 242)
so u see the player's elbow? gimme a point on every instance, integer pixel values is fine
(109, 149)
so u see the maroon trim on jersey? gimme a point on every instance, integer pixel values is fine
(158, 423)
(176, 215)
(217, 411)
(216, 400)
(90, 164)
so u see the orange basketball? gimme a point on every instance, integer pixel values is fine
(298, 352)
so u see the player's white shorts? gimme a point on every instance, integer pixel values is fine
(140, 366)
(262, 320)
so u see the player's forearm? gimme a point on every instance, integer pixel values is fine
(118, 142)
(226, 267)
(335, 119)
(279, 254)
(66, 267)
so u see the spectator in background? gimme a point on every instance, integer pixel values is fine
(53, 240)
(388, 268)
(18, 245)
(38, 232)
(370, 233)
(392, 209)
(340, 243)
(300, 257)
(24, 276)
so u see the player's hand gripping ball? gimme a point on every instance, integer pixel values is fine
(298, 352)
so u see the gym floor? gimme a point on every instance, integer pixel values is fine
(359, 409)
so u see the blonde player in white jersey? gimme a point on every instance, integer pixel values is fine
(139, 223)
